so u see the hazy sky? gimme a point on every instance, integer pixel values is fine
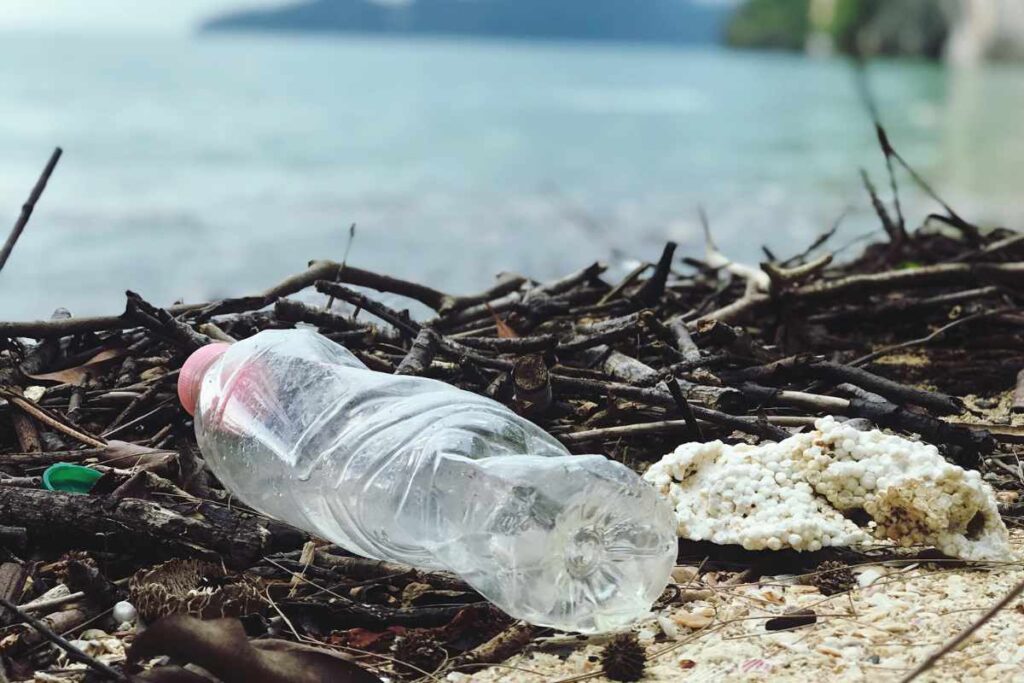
(100, 15)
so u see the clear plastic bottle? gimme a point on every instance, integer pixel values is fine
(414, 470)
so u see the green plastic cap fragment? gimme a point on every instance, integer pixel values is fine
(69, 478)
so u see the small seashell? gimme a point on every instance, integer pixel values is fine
(691, 620)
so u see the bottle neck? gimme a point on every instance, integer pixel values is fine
(190, 378)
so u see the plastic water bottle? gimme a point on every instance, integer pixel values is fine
(417, 471)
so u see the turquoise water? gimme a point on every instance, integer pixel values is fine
(215, 165)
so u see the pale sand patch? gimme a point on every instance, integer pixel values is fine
(878, 633)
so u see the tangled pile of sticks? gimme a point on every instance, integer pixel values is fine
(920, 334)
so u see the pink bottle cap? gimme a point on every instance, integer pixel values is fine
(191, 376)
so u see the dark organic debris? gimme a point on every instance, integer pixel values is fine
(419, 653)
(833, 577)
(919, 334)
(792, 619)
(624, 659)
(222, 647)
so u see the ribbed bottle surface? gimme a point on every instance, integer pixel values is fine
(414, 470)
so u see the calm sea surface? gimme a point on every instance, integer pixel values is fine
(216, 165)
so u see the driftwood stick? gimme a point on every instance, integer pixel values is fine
(590, 335)
(532, 344)
(401, 322)
(28, 207)
(49, 419)
(627, 369)
(625, 282)
(362, 569)
(531, 382)
(652, 290)
(796, 367)
(945, 274)
(296, 311)
(383, 283)
(487, 309)
(317, 270)
(216, 533)
(421, 354)
(887, 414)
(499, 648)
(162, 323)
(683, 340)
(659, 427)
(627, 431)
(505, 285)
(683, 406)
(597, 389)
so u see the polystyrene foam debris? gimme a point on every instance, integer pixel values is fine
(804, 493)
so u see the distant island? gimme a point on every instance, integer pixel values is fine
(960, 32)
(646, 21)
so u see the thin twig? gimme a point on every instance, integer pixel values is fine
(344, 261)
(29, 206)
(927, 338)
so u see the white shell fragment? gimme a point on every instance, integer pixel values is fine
(804, 492)
(125, 612)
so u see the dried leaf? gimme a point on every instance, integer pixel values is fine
(124, 455)
(80, 373)
(504, 330)
(222, 648)
(365, 639)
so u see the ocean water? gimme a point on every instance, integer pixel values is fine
(214, 165)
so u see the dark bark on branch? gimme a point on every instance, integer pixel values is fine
(296, 311)
(886, 414)
(796, 367)
(421, 354)
(342, 613)
(205, 531)
(403, 323)
(162, 323)
(382, 283)
(533, 344)
(531, 384)
(596, 389)
(653, 289)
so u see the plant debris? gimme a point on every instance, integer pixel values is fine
(624, 658)
(832, 577)
(918, 335)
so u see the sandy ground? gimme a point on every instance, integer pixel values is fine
(898, 615)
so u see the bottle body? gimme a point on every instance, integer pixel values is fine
(418, 471)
